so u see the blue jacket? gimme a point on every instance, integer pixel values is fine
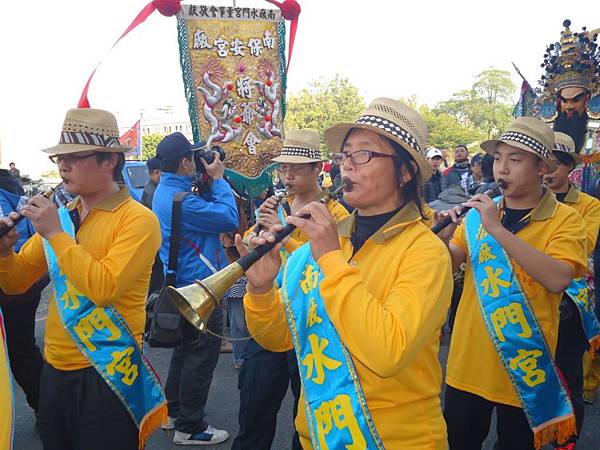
(202, 221)
(11, 202)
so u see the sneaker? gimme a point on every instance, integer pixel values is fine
(169, 424)
(210, 436)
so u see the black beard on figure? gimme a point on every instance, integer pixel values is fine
(575, 126)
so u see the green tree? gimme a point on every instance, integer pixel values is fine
(149, 143)
(495, 86)
(487, 106)
(446, 130)
(323, 104)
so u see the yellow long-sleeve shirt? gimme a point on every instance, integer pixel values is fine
(588, 208)
(6, 399)
(473, 363)
(387, 303)
(110, 263)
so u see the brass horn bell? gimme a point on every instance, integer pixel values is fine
(196, 302)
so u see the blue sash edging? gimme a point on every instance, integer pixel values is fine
(517, 337)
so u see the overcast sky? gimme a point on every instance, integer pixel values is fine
(387, 48)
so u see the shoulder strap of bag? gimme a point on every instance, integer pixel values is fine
(175, 236)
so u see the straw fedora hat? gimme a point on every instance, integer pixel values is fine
(565, 144)
(88, 129)
(529, 134)
(300, 146)
(393, 120)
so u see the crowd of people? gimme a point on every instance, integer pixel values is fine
(348, 309)
(365, 301)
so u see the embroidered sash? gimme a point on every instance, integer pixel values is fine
(517, 337)
(579, 293)
(336, 409)
(103, 337)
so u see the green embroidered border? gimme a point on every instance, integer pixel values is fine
(282, 61)
(188, 79)
(251, 186)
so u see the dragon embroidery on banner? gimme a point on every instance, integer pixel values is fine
(268, 104)
(221, 112)
(220, 119)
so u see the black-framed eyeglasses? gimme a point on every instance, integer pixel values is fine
(71, 159)
(360, 157)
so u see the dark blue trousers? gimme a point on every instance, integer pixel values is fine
(571, 346)
(263, 383)
(79, 411)
(190, 375)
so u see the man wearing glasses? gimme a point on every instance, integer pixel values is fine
(96, 389)
(265, 375)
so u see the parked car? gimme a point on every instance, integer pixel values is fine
(135, 176)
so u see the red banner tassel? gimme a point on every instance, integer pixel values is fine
(290, 10)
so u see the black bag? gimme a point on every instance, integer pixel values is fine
(165, 327)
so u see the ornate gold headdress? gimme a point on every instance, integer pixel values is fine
(572, 62)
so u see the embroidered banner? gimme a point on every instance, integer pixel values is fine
(518, 339)
(103, 337)
(336, 408)
(233, 62)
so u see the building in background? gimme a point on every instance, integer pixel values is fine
(161, 120)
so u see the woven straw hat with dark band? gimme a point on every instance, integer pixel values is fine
(529, 134)
(390, 119)
(300, 146)
(88, 129)
(565, 144)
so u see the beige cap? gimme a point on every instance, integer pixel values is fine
(529, 134)
(565, 144)
(88, 129)
(300, 146)
(393, 120)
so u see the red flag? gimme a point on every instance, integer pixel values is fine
(133, 138)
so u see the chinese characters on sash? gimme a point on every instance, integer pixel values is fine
(97, 321)
(338, 414)
(516, 335)
(335, 404)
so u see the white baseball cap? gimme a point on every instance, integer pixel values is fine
(432, 151)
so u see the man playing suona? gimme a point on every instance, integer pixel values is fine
(97, 390)
(521, 255)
